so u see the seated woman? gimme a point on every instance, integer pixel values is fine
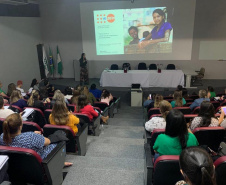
(205, 117)
(34, 101)
(211, 93)
(197, 167)
(176, 137)
(61, 116)
(13, 137)
(202, 97)
(2, 93)
(150, 99)
(34, 85)
(17, 99)
(106, 97)
(156, 103)
(74, 98)
(11, 88)
(91, 98)
(4, 113)
(44, 95)
(159, 122)
(84, 108)
(178, 101)
(58, 95)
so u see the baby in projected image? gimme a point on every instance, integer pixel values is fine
(145, 34)
(160, 33)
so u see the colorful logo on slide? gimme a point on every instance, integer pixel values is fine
(101, 18)
(111, 18)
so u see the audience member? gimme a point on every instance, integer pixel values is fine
(74, 98)
(106, 97)
(2, 93)
(96, 92)
(44, 95)
(84, 108)
(13, 137)
(34, 85)
(59, 96)
(49, 87)
(19, 86)
(202, 97)
(11, 88)
(222, 121)
(211, 93)
(197, 167)
(185, 93)
(178, 101)
(91, 98)
(4, 112)
(205, 117)
(179, 88)
(159, 122)
(17, 99)
(150, 99)
(61, 116)
(176, 137)
(155, 104)
(34, 101)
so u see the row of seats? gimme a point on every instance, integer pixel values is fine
(141, 66)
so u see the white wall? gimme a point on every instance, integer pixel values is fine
(19, 60)
(61, 24)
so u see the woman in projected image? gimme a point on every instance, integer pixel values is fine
(160, 33)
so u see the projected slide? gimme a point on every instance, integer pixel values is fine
(133, 31)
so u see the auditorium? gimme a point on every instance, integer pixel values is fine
(104, 92)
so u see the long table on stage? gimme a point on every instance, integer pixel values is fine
(151, 78)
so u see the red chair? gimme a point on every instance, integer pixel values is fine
(190, 117)
(71, 107)
(31, 127)
(168, 98)
(184, 110)
(153, 111)
(196, 110)
(215, 104)
(154, 135)
(189, 100)
(220, 170)
(15, 108)
(194, 97)
(210, 136)
(223, 103)
(47, 112)
(26, 166)
(103, 107)
(76, 143)
(155, 115)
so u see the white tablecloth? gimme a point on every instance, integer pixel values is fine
(117, 78)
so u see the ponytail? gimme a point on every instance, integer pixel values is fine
(206, 178)
(30, 101)
(11, 126)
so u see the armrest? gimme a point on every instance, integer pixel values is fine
(149, 162)
(81, 129)
(147, 137)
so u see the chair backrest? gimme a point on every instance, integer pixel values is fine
(15, 108)
(210, 136)
(71, 107)
(47, 112)
(223, 103)
(167, 170)
(83, 118)
(24, 165)
(189, 117)
(155, 115)
(184, 110)
(126, 65)
(188, 100)
(215, 104)
(101, 105)
(196, 110)
(153, 111)
(114, 67)
(30, 127)
(220, 169)
(194, 97)
(142, 66)
(37, 116)
(170, 67)
(154, 136)
(167, 97)
(153, 67)
(71, 144)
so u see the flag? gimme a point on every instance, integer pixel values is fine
(45, 61)
(59, 62)
(51, 62)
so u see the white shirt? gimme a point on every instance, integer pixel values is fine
(21, 90)
(155, 123)
(4, 113)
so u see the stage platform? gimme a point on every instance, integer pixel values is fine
(124, 92)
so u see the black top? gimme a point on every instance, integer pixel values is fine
(83, 64)
(40, 105)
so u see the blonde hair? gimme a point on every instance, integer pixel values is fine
(165, 107)
(11, 126)
(85, 91)
(34, 96)
(58, 95)
(74, 98)
(158, 99)
(202, 93)
(60, 113)
(178, 98)
(15, 96)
